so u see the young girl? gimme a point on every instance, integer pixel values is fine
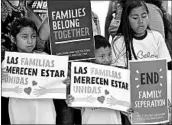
(135, 40)
(28, 111)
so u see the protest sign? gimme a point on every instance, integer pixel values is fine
(71, 29)
(32, 76)
(94, 85)
(39, 7)
(149, 91)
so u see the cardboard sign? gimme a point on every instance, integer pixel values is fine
(32, 76)
(94, 85)
(71, 29)
(149, 91)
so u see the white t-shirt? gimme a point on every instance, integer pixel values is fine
(152, 46)
(100, 116)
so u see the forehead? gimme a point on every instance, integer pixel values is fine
(103, 50)
(27, 30)
(138, 10)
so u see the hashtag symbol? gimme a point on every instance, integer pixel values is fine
(34, 4)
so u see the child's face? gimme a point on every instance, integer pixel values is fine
(26, 40)
(138, 19)
(103, 56)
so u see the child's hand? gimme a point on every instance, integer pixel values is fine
(130, 110)
(41, 91)
(169, 106)
(67, 81)
(69, 100)
(128, 113)
(169, 109)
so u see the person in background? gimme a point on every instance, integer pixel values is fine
(96, 24)
(113, 18)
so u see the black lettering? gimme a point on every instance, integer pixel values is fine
(149, 78)
(77, 80)
(142, 78)
(156, 77)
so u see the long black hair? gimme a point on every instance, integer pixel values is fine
(125, 29)
(17, 25)
(166, 20)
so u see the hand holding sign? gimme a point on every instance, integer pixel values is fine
(67, 81)
(69, 100)
(130, 110)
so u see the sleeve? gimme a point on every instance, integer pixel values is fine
(118, 52)
(162, 48)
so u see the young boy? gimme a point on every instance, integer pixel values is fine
(100, 115)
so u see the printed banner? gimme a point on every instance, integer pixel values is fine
(71, 29)
(94, 85)
(32, 76)
(149, 91)
(39, 7)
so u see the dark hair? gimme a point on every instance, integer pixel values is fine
(101, 41)
(20, 23)
(17, 25)
(125, 28)
(158, 3)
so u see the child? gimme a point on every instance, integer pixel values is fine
(100, 115)
(28, 111)
(134, 38)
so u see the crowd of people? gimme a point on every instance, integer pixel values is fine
(136, 27)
